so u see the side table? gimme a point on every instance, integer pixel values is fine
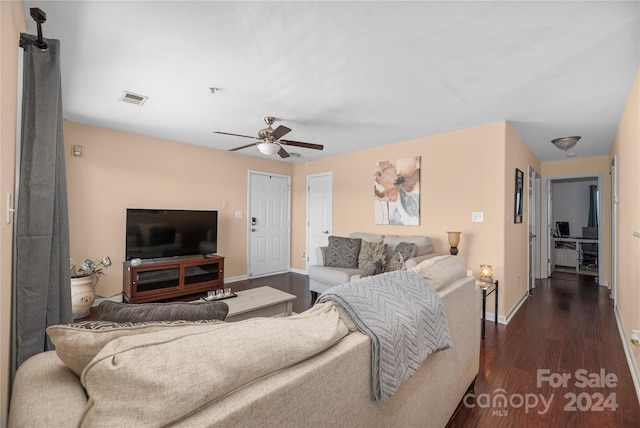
(488, 288)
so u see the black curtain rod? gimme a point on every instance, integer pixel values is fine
(40, 17)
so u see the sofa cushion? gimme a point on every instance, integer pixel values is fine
(172, 311)
(343, 252)
(442, 270)
(330, 275)
(423, 243)
(375, 267)
(153, 366)
(370, 252)
(77, 344)
(369, 237)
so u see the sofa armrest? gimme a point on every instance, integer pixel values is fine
(321, 255)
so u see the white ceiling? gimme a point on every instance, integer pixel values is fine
(348, 75)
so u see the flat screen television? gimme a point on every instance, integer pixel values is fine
(170, 233)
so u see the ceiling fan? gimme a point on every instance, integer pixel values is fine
(269, 140)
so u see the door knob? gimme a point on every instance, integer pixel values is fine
(253, 229)
(325, 231)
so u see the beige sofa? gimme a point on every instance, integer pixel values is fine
(322, 277)
(305, 370)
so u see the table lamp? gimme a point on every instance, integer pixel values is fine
(454, 240)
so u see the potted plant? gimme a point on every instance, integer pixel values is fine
(84, 279)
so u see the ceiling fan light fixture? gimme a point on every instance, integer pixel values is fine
(565, 143)
(268, 148)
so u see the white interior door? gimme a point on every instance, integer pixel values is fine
(319, 213)
(268, 222)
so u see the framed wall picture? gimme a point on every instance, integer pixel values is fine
(396, 191)
(517, 214)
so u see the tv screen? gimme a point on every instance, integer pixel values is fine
(170, 233)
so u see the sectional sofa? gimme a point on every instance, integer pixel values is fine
(311, 369)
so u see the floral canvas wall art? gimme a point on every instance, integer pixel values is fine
(397, 191)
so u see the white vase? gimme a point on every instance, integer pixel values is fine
(82, 296)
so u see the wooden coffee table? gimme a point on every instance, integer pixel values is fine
(259, 302)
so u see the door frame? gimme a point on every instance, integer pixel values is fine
(308, 238)
(248, 218)
(613, 280)
(534, 211)
(602, 261)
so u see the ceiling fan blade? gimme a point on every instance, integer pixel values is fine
(280, 132)
(242, 147)
(302, 144)
(235, 135)
(283, 153)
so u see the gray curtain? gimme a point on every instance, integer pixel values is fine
(593, 206)
(42, 289)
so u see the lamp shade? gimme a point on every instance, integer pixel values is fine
(565, 143)
(268, 148)
(454, 240)
(486, 273)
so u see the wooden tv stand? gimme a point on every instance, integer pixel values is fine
(166, 278)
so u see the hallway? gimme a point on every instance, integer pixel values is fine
(558, 363)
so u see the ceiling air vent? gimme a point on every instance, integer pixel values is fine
(131, 98)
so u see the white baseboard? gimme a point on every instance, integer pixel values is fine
(517, 307)
(631, 361)
(235, 278)
(505, 320)
(300, 271)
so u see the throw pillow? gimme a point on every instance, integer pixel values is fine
(77, 344)
(373, 268)
(406, 249)
(396, 262)
(442, 270)
(343, 252)
(370, 252)
(173, 311)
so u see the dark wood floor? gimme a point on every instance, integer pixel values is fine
(567, 325)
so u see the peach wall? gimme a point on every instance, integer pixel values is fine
(588, 166)
(12, 23)
(626, 147)
(121, 170)
(462, 171)
(516, 235)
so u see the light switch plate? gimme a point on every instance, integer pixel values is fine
(477, 216)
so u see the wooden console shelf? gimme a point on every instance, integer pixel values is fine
(159, 279)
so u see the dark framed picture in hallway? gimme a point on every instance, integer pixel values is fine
(517, 215)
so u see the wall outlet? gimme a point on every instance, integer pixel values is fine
(238, 214)
(635, 337)
(477, 216)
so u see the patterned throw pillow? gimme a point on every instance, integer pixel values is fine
(370, 252)
(406, 249)
(396, 262)
(373, 268)
(77, 344)
(343, 252)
